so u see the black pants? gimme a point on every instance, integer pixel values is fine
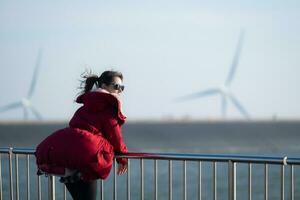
(81, 190)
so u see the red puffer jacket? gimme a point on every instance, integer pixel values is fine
(89, 143)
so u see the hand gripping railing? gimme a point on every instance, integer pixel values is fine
(172, 159)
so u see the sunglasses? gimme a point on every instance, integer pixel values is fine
(117, 86)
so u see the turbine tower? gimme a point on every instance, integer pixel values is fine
(224, 90)
(25, 102)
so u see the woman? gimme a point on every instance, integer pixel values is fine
(83, 152)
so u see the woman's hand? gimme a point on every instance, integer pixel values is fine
(121, 169)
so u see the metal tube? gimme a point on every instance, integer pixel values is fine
(17, 175)
(115, 181)
(214, 181)
(266, 181)
(184, 179)
(11, 174)
(64, 192)
(170, 180)
(28, 177)
(39, 188)
(200, 180)
(102, 189)
(51, 188)
(213, 158)
(282, 182)
(231, 180)
(142, 178)
(234, 179)
(155, 179)
(250, 181)
(1, 195)
(190, 157)
(128, 179)
(196, 157)
(292, 183)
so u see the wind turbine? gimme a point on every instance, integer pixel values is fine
(25, 102)
(224, 90)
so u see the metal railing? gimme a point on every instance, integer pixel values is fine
(187, 176)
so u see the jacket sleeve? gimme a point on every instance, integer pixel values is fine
(113, 133)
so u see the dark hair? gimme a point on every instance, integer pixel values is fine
(89, 79)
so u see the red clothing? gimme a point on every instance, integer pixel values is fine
(89, 143)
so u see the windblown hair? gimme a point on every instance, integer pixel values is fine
(89, 79)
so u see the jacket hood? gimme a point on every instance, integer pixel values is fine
(100, 99)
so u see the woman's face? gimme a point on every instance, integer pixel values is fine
(115, 87)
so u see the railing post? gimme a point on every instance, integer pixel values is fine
(170, 180)
(11, 173)
(200, 180)
(128, 180)
(39, 188)
(142, 178)
(231, 180)
(51, 188)
(282, 182)
(292, 195)
(115, 195)
(1, 196)
(28, 177)
(215, 181)
(64, 191)
(266, 181)
(250, 181)
(17, 175)
(155, 179)
(184, 180)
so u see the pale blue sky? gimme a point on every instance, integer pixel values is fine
(165, 49)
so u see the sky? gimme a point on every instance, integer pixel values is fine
(165, 49)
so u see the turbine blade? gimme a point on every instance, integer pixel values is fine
(10, 106)
(198, 94)
(35, 73)
(236, 58)
(36, 113)
(224, 106)
(239, 106)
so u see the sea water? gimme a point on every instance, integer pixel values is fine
(255, 138)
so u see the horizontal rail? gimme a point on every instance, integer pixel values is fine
(26, 151)
(282, 160)
(190, 157)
